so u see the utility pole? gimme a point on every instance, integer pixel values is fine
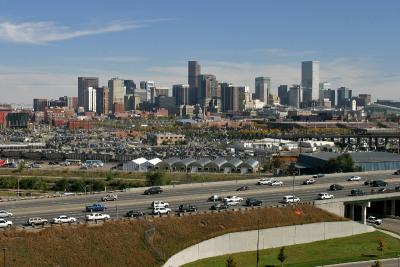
(4, 257)
(258, 242)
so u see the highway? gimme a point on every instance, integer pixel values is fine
(196, 194)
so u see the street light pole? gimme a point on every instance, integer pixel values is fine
(4, 257)
(258, 242)
(18, 187)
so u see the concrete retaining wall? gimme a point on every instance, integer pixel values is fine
(269, 238)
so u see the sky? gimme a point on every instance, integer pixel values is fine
(45, 44)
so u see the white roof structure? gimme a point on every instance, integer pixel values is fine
(154, 161)
(139, 161)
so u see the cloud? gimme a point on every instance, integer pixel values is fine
(280, 52)
(44, 32)
(114, 59)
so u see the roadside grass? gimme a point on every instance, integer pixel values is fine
(361, 247)
(141, 242)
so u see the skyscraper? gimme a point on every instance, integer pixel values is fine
(89, 99)
(39, 104)
(344, 95)
(230, 97)
(283, 94)
(147, 86)
(208, 88)
(116, 93)
(130, 86)
(194, 71)
(84, 83)
(262, 88)
(294, 96)
(102, 99)
(310, 80)
(181, 94)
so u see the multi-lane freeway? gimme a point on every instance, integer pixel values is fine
(196, 194)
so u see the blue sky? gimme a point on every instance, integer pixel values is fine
(45, 45)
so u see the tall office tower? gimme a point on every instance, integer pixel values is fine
(283, 94)
(294, 96)
(262, 88)
(39, 104)
(157, 91)
(130, 86)
(194, 70)
(116, 94)
(328, 94)
(84, 83)
(245, 101)
(102, 99)
(310, 80)
(324, 86)
(89, 99)
(233, 98)
(344, 97)
(208, 88)
(181, 94)
(147, 86)
(364, 100)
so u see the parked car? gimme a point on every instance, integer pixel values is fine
(319, 175)
(309, 181)
(97, 217)
(323, 196)
(220, 206)
(335, 187)
(374, 220)
(161, 210)
(134, 214)
(37, 221)
(253, 202)
(187, 208)
(158, 203)
(153, 190)
(96, 207)
(265, 181)
(109, 198)
(290, 199)
(63, 219)
(277, 183)
(233, 198)
(232, 202)
(354, 178)
(215, 198)
(357, 192)
(378, 183)
(5, 224)
(5, 214)
(243, 188)
(368, 182)
(397, 172)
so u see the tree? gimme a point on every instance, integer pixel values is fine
(230, 262)
(342, 163)
(156, 178)
(110, 175)
(21, 166)
(376, 264)
(381, 246)
(282, 255)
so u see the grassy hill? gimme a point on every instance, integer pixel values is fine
(147, 242)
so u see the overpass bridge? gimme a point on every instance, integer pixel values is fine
(360, 207)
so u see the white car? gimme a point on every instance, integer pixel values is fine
(158, 203)
(5, 224)
(290, 199)
(161, 210)
(374, 220)
(97, 217)
(265, 181)
(276, 183)
(109, 198)
(233, 198)
(64, 219)
(354, 178)
(5, 214)
(325, 196)
(231, 202)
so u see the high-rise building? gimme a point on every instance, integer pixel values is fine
(89, 99)
(208, 88)
(147, 86)
(310, 80)
(328, 94)
(181, 93)
(194, 70)
(157, 91)
(116, 93)
(39, 104)
(344, 95)
(294, 96)
(323, 87)
(283, 94)
(262, 88)
(84, 83)
(130, 86)
(364, 100)
(102, 98)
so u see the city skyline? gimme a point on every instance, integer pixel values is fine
(43, 52)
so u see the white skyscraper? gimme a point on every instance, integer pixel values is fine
(90, 99)
(116, 92)
(310, 80)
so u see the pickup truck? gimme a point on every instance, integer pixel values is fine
(95, 207)
(109, 198)
(5, 224)
(322, 196)
(157, 203)
(97, 217)
(374, 220)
